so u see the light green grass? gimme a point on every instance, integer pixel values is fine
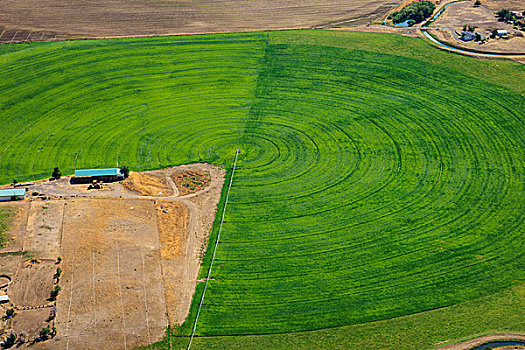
(379, 177)
(497, 313)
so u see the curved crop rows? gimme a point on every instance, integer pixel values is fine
(369, 185)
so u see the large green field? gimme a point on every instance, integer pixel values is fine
(379, 177)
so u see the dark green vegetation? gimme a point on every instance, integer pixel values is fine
(508, 16)
(379, 177)
(416, 12)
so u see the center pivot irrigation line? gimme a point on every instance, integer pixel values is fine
(214, 249)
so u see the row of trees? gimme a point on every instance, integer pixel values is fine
(507, 16)
(416, 12)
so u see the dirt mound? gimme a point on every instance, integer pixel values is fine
(191, 181)
(148, 184)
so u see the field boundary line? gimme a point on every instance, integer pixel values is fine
(214, 249)
(93, 287)
(145, 294)
(120, 295)
(69, 306)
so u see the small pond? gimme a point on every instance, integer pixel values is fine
(407, 23)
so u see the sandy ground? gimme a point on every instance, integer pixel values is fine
(31, 20)
(496, 5)
(469, 344)
(130, 257)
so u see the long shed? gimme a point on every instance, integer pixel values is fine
(106, 175)
(12, 194)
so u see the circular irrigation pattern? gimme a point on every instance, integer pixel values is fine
(368, 185)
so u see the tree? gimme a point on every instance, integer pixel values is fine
(45, 333)
(478, 37)
(124, 170)
(14, 182)
(10, 340)
(477, 3)
(55, 292)
(10, 312)
(56, 173)
(504, 15)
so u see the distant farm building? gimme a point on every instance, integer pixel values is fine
(501, 32)
(12, 194)
(467, 36)
(104, 175)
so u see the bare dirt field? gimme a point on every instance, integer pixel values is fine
(496, 5)
(112, 279)
(461, 13)
(31, 20)
(129, 258)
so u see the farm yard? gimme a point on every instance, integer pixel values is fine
(377, 199)
(138, 253)
(483, 18)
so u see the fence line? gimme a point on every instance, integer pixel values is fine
(214, 250)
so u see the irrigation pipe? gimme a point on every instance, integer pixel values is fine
(214, 250)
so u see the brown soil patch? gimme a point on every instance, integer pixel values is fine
(147, 184)
(172, 221)
(112, 279)
(496, 5)
(30, 19)
(191, 181)
(43, 229)
(9, 264)
(30, 321)
(32, 284)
